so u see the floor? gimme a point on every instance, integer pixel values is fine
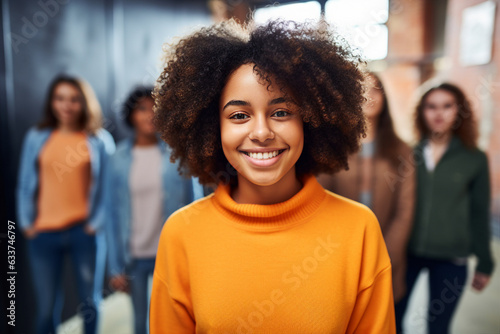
(478, 313)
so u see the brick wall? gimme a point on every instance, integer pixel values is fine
(482, 84)
(422, 48)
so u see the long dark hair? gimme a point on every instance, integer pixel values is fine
(387, 141)
(464, 127)
(91, 116)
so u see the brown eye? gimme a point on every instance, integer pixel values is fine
(239, 116)
(281, 113)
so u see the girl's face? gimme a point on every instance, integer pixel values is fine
(375, 99)
(440, 111)
(67, 104)
(262, 135)
(142, 117)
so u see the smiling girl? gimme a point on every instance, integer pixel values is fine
(260, 111)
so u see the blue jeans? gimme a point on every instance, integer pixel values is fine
(446, 284)
(47, 252)
(138, 273)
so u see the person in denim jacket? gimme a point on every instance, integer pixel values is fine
(60, 198)
(144, 189)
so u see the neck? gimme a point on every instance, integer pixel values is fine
(145, 139)
(371, 130)
(66, 128)
(250, 193)
(440, 139)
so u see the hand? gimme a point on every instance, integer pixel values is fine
(89, 229)
(119, 283)
(480, 281)
(30, 232)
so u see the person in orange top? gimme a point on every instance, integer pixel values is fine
(260, 111)
(59, 199)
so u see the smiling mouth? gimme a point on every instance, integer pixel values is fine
(263, 156)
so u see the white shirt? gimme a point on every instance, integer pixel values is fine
(146, 195)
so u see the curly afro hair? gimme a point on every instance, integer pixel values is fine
(316, 66)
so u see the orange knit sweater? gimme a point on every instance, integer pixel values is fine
(316, 263)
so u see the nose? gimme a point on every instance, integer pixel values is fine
(261, 131)
(67, 103)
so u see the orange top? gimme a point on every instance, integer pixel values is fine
(316, 263)
(64, 181)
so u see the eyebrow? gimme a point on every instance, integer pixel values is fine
(245, 103)
(278, 101)
(236, 103)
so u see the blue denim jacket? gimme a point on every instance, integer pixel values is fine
(177, 192)
(100, 147)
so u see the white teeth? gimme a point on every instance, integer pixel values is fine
(263, 156)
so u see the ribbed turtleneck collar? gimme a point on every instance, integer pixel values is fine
(274, 216)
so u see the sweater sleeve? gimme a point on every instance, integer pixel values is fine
(167, 315)
(374, 309)
(399, 228)
(480, 217)
(170, 307)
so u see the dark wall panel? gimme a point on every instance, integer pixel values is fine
(113, 44)
(72, 40)
(141, 29)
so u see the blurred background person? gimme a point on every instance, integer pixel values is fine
(59, 197)
(379, 177)
(144, 188)
(453, 205)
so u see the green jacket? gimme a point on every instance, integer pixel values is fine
(452, 216)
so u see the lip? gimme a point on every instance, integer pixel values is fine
(261, 150)
(262, 163)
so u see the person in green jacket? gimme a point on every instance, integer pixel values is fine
(452, 215)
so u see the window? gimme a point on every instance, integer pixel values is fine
(362, 23)
(299, 12)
